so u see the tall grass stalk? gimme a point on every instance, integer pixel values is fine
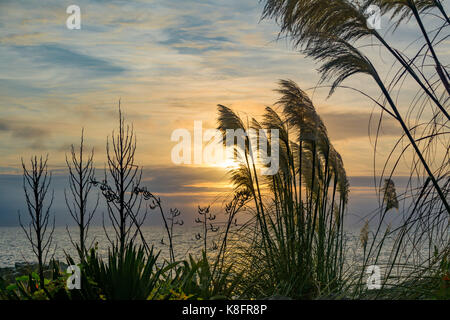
(297, 249)
(336, 35)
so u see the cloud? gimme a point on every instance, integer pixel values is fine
(168, 60)
(194, 36)
(179, 187)
(9, 87)
(23, 130)
(350, 125)
(170, 183)
(22, 39)
(184, 179)
(57, 55)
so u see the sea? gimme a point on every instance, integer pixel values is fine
(15, 247)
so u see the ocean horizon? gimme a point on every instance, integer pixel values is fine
(15, 247)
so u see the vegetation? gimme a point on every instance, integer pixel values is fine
(81, 173)
(337, 36)
(35, 185)
(297, 248)
(294, 244)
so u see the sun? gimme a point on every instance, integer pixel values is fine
(227, 164)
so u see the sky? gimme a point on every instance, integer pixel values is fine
(170, 62)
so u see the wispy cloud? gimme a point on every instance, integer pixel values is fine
(49, 55)
(23, 131)
(354, 125)
(170, 62)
